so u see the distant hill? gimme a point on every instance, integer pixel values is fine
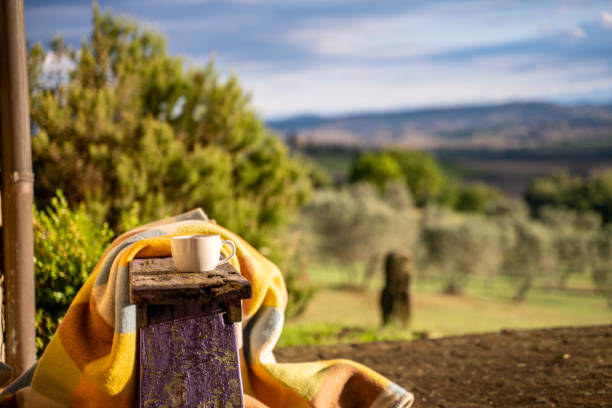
(509, 126)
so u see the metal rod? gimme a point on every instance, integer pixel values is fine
(17, 190)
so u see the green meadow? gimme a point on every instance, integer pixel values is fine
(343, 310)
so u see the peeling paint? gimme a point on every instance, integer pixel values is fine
(190, 362)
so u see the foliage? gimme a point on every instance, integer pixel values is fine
(459, 248)
(376, 168)
(398, 196)
(424, 179)
(554, 190)
(475, 197)
(602, 265)
(422, 173)
(599, 193)
(67, 245)
(133, 125)
(573, 234)
(528, 254)
(318, 174)
(355, 223)
(299, 335)
(449, 193)
(583, 194)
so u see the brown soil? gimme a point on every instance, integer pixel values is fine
(561, 367)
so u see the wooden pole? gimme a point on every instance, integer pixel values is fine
(17, 190)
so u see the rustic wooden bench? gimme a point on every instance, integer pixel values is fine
(188, 354)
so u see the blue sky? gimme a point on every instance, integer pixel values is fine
(327, 57)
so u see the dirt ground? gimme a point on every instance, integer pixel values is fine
(560, 367)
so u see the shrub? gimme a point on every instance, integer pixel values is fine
(375, 168)
(476, 197)
(583, 194)
(67, 245)
(422, 173)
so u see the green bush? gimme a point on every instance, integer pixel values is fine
(375, 168)
(476, 197)
(591, 194)
(422, 173)
(419, 170)
(424, 179)
(67, 245)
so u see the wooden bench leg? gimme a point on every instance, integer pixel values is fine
(189, 358)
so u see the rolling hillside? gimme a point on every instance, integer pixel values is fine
(495, 127)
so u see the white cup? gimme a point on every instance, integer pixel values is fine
(198, 253)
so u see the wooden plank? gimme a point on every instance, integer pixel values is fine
(156, 281)
(189, 362)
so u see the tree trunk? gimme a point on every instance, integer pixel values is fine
(395, 297)
(523, 289)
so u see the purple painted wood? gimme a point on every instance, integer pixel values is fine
(189, 362)
(187, 347)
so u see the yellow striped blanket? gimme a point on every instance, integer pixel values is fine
(91, 359)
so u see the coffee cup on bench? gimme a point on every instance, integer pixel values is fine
(199, 253)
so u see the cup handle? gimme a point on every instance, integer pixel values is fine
(227, 258)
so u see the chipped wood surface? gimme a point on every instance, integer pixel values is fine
(189, 362)
(156, 281)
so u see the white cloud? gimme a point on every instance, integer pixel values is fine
(606, 19)
(578, 32)
(340, 89)
(403, 35)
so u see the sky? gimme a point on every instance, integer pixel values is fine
(331, 57)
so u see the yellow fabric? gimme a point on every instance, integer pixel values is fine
(91, 360)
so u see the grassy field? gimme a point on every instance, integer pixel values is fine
(340, 312)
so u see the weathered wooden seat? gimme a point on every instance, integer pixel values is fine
(187, 340)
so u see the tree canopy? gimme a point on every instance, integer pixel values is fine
(422, 173)
(376, 168)
(424, 178)
(593, 193)
(134, 128)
